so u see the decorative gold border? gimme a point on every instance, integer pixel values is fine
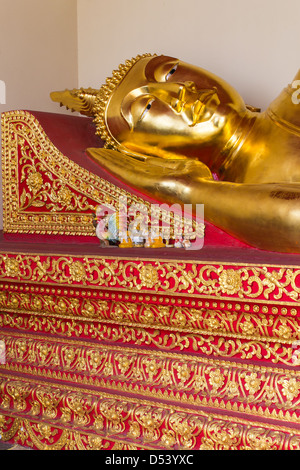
(61, 295)
(241, 388)
(47, 437)
(44, 192)
(228, 281)
(211, 321)
(132, 420)
(157, 302)
(161, 339)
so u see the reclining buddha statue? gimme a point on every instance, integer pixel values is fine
(180, 134)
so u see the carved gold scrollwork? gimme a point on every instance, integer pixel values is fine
(223, 384)
(122, 421)
(266, 283)
(45, 191)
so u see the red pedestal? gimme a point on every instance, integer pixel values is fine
(104, 348)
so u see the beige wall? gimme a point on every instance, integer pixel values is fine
(254, 45)
(38, 52)
(54, 44)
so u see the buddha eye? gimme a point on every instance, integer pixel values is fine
(146, 109)
(170, 73)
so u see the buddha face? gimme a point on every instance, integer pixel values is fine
(164, 106)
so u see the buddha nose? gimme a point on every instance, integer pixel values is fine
(186, 93)
(172, 88)
(190, 85)
(180, 87)
(175, 94)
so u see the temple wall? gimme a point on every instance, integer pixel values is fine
(253, 45)
(54, 44)
(38, 52)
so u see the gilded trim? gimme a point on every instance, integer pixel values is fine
(163, 339)
(237, 324)
(189, 278)
(241, 388)
(44, 192)
(109, 417)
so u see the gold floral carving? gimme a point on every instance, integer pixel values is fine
(176, 377)
(191, 278)
(163, 330)
(168, 339)
(216, 322)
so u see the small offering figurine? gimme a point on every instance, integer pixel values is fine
(138, 230)
(111, 229)
(155, 241)
(122, 227)
(115, 229)
(178, 243)
(100, 223)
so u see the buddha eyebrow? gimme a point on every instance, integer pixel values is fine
(171, 71)
(154, 63)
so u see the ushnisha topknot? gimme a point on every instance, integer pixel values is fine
(103, 98)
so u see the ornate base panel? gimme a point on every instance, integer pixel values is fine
(228, 311)
(47, 193)
(105, 353)
(73, 419)
(263, 392)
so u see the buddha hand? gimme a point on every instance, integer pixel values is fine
(167, 180)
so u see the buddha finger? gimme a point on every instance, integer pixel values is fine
(133, 172)
(114, 160)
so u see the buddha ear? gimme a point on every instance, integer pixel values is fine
(166, 160)
(117, 159)
(133, 171)
(132, 154)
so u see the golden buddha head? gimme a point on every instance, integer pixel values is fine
(158, 104)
